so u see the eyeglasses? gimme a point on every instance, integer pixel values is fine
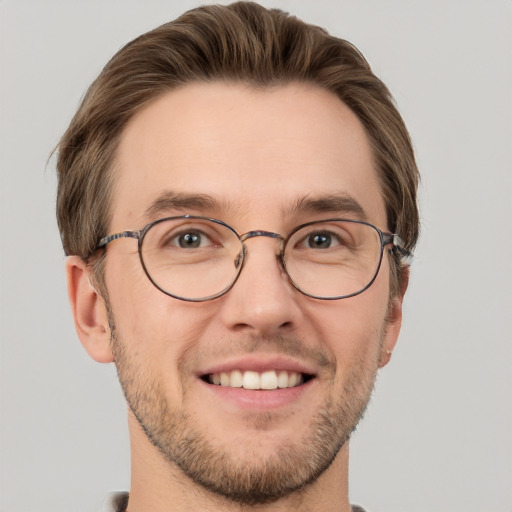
(197, 259)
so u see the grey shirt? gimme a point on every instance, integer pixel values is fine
(118, 501)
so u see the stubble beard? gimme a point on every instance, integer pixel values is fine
(249, 480)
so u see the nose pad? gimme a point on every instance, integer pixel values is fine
(282, 268)
(240, 258)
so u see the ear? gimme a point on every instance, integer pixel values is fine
(89, 311)
(394, 320)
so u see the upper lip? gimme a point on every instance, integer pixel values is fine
(258, 363)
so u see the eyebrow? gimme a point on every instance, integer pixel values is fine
(342, 204)
(332, 203)
(169, 200)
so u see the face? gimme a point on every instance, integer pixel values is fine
(251, 158)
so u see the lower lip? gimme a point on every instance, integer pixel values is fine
(250, 399)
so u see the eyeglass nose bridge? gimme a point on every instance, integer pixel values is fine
(268, 234)
(259, 232)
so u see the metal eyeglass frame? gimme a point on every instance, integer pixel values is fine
(386, 238)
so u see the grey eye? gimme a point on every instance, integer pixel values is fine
(322, 240)
(190, 240)
(319, 240)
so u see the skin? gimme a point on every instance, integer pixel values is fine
(257, 153)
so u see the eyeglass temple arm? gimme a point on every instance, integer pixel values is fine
(398, 247)
(124, 234)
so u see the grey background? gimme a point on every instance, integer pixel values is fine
(438, 434)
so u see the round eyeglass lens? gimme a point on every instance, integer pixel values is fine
(333, 259)
(191, 258)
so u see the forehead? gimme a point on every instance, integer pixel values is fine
(256, 152)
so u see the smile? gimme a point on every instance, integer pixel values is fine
(266, 380)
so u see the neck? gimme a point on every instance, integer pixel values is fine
(159, 486)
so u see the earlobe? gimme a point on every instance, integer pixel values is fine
(394, 320)
(89, 311)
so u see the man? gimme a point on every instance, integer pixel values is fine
(237, 197)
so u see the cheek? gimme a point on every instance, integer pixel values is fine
(130, 293)
(352, 329)
(157, 329)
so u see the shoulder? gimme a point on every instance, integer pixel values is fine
(115, 502)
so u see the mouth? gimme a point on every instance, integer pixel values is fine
(254, 380)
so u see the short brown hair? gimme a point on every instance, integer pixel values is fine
(239, 42)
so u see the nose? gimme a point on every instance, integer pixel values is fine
(262, 302)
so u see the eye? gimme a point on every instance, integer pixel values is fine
(187, 236)
(191, 239)
(321, 240)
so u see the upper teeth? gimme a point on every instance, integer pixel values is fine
(253, 380)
